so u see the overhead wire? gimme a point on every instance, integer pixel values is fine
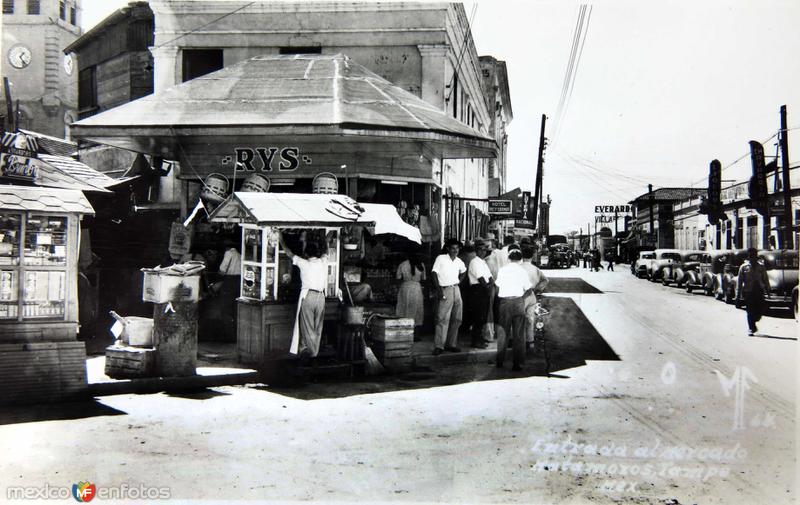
(215, 20)
(568, 71)
(467, 41)
(577, 65)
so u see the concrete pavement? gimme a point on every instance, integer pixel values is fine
(692, 411)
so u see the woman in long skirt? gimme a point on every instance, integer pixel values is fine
(410, 302)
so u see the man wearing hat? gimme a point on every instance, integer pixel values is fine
(447, 272)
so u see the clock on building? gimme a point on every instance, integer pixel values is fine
(69, 64)
(19, 56)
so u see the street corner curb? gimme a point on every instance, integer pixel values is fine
(165, 384)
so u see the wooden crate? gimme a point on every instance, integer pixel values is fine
(392, 330)
(126, 362)
(400, 364)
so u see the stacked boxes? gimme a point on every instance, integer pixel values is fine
(392, 340)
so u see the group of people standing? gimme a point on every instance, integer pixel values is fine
(496, 288)
(591, 259)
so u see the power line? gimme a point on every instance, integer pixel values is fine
(466, 43)
(205, 25)
(574, 75)
(570, 66)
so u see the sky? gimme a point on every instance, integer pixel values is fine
(661, 89)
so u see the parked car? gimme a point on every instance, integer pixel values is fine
(730, 275)
(559, 256)
(677, 272)
(665, 258)
(782, 268)
(639, 265)
(707, 273)
(712, 279)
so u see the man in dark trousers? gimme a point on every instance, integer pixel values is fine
(753, 285)
(610, 258)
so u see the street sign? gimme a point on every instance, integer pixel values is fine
(526, 211)
(524, 223)
(500, 207)
(758, 182)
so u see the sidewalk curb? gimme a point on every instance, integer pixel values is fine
(447, 358)
(162, 384)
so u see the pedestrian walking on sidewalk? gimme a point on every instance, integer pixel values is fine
(446, 274)
(513, 286)
(610, 258)
(753, 285)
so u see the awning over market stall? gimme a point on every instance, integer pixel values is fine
(301, 101)
(300, 209)
(22, 161)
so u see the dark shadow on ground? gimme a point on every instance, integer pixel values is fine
(56, 412)
(570, 341)
(759, 335)
(570, 285)
(203, 394)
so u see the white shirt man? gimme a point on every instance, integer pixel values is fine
(446, 273)
(307, 333)
(448, 269)
(513, 284)
(512, 280)
(313, 272)
(478, 269)
(231, 263)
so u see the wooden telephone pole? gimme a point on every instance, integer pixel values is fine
(788, 217)
(537, 192)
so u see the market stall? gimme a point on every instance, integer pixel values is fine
(40, 358)
(269, 287)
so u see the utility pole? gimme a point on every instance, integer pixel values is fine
(10, 120)
(537, 191)
(788, 217)
(651, 199)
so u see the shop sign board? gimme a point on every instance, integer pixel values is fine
(18, 157)
(19, 167)
(267, 159)
(499, 207)
(524, 223)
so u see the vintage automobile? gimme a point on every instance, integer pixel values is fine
(664, 260)
(639, 265)
(730, 275)
(782, 267)
(677, 272)
(559, 256)
(708, 274)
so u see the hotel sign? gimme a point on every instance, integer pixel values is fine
(499, 207)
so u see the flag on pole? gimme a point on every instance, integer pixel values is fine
(194, 212)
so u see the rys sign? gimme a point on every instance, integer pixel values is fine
(267, 159)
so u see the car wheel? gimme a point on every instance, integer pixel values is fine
(729, 298)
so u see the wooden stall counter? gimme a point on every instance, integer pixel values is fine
(264, 331)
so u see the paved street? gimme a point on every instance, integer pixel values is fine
(631, 410)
